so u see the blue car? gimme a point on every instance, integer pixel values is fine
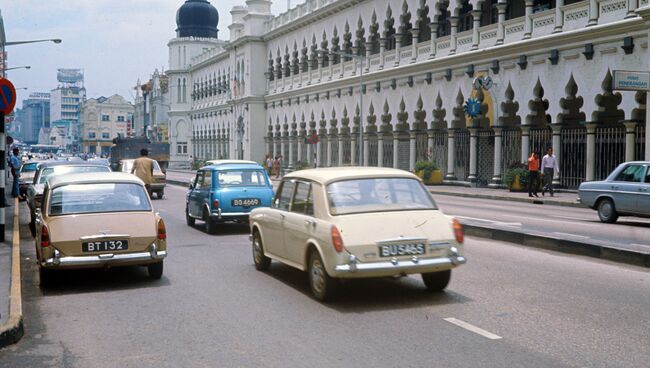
(227, 190)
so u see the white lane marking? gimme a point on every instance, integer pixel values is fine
(473, 328)
(573, 218)
(490, 221)
(574, 235)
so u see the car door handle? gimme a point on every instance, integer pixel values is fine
(282, 216)
(310, 222)
(614, 187)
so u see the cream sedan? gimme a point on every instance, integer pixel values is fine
(98, 220)
(356, 223)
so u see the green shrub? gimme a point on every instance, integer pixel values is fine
(427, 166)
(513, 171)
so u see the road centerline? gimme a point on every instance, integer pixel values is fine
(472, 328)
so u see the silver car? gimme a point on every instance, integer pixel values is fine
(625, 192)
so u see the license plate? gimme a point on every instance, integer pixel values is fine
(245, 202)
(395, 250)
(105, 245)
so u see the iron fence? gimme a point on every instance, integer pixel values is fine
(510, 149)
(346, 150)
(439, 152)
(640, 147)
(294, 151)
(334, 143)
(540, 140)
(573, 156)
(485, 157)
(388, 150)
(373, 144)
(421, 146)
(404, 153)
(610, 149)
(461, 151)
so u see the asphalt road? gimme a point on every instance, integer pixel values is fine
(212, 309)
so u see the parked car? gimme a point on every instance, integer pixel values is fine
(227, 191)
(98, 220)
(159, 176)
(27, 172)
(356, 222)
(625, 192)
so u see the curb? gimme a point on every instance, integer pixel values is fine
(12, 331)
(600, 251)
(512, 199)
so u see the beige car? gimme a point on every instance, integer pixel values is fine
(159, 176)
(98, 220)
(356, 223)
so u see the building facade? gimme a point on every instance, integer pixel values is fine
(102, 120)
(151, 117)
(66, 100)
(389, 82)
(34, 116)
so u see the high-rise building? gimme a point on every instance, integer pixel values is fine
(66, 99)
(34, 115)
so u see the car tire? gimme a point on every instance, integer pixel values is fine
(46, 278)
(323, 287)
(160, 194)
(210, 225)
(607, 211)
(436, 281)
(155, 270)
(261, 261)
(189, 219)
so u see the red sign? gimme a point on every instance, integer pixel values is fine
(7, 96)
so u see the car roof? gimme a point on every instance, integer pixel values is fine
(96, 177)
(232, 165)
(331, 174)
(226, 162)
(67, 163)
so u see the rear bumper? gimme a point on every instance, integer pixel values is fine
(151, 256)
(229, 216)
(354, 269)
(157, 186)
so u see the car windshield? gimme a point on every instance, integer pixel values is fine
(77, 169)
(128, 165)
(98, 197)
(378, 195)
(255, 178)
(30, 166)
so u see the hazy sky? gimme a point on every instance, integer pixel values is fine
(114, 41)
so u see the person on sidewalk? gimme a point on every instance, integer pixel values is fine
(533, 177)
(14, 164)
(143, 169)
(549, 169)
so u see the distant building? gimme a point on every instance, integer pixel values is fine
(103, 119)
(34, 115)
(60, 133)
(152, 108)
(66, 100)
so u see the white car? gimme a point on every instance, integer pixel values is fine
(356, 222)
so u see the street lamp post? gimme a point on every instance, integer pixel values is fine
(360, 59)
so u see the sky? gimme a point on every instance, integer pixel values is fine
(115, 42)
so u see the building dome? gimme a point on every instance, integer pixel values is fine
(197, 18)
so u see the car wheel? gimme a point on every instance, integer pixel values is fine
(322, 285)
(607, 211)
(262, 262)
(46, 278)
(436, 281)
(189, 219)
(160, 194)
(210, 225)
(155, 270)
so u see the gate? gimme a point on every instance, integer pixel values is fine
(334, 142)
(388, 150)
(510, 149)
(285, 154)
(373, 144)
(404, 154)
(461, 149)
(573, 156)
(323, 151)
(640, 142)
(422, 146)
(303, 150)
(610, 149)
(540, 140)
(439, 152)
(485, 157)
(294, 151)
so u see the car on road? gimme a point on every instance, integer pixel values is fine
(27, 172)
(225, 191)
(356, 222)
(625, 192)
(159, 176)
(100, 220)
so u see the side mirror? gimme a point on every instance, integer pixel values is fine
(190, 184)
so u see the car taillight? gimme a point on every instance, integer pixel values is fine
(458, 231)
(337, 240)
(45, 237)
(162, 231)
(215, 203)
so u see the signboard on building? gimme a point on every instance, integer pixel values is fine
(625, 80)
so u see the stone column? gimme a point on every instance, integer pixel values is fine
(340, 143)
(557, 141)
(591, 152)
(396, 150)
(367, 67)
(412, 151)
(398, 46)
(318, 153)
(451, 155)
(498, 156)
(631, 7)
(366, 149)
(282, 145)
(473, 155)
(299, 142)
(528, 23)
(476, 17)
(453, 39)
(593, 13)
(525, 144)
(630, 144)
(353, 151)
(320, 67)
(292, 142)
(310, 154)
(330, 142)
(414, 46)
(434, 40)
(380, 149)
(430, 143)
(502, 6)
(559, 16)
(382, 51)
(309, 69)
(275, 146)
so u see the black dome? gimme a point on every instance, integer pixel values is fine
(197, 18)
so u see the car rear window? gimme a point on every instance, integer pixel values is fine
(378, 195)
(244, 178)
(97, 198)
(76, 169)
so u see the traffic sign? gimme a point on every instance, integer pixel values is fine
(7, 96)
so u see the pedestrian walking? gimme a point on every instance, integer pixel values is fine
(14, 164)
(268, 162)
(549, 169)
(533, 177)
(143, 169)
(277, 166)
(190, 161)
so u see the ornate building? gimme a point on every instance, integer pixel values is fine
(388, 81)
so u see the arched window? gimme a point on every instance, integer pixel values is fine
(184, 91)
(444, 26)
(465, 18)
(179, 91)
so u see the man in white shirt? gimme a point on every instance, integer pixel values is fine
(549, 168)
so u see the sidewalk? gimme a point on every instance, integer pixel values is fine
(11, 319)
(564, 198)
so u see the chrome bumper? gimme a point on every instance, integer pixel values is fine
(105, 259)
(413, 265)
(225, 215)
